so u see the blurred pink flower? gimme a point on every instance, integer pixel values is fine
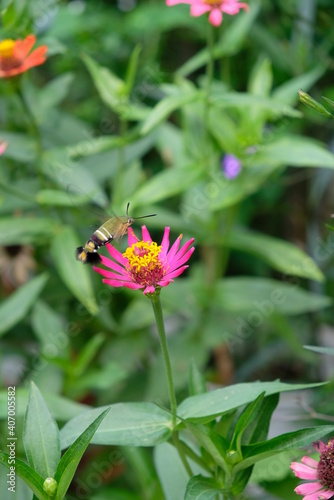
(215, 7)
(3, 146)
(320, 473)
(144, 264)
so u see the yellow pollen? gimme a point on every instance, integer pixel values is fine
(143, 255)
(7, 48)
(214, 3)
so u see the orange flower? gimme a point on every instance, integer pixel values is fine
(15, 57)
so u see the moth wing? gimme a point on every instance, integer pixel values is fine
(93, 211)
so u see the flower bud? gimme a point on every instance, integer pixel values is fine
(50, 486)
(313, 104)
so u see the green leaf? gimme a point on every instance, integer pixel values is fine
(94, 146)
(203, 488)
(40, 101)
(61, 408)
(21, 230)
(287, 93)
(103, 378)
(109, 86)
(57, 165)
(87, 354)
(261, 78)
(264, 297)
(206, 407)
(165, 107)
(29, 476)
(41, 435)
(48, 325)
(53, 93)
(296, 439)
(212, 442)
(296, 152)
(197, 384)
(21, 147)
(230, 192)
(281, 255)
(16, 307)
(329, 102)
(321, 350)
(166, 184)
(225, 100)
(70, 460)
(54, 197)
(246, 418)
(258, 429)
(127, 424)
(74, 274)
(171, 471)
(132, 69)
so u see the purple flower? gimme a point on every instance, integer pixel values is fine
(231, 166)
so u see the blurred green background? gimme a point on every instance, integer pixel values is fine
(86, 135)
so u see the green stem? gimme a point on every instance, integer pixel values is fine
(178, 446)
(31, 118)
(209, 70)
(155, 299)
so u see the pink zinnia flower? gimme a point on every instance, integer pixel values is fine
(3, 146)
(215, 7)
(145, 265)
(16, 56)
(321, 473)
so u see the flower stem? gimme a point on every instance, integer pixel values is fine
(209, 70)
(155, 299)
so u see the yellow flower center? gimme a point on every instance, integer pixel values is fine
(7, 48)
(213, 3)
(144, 264)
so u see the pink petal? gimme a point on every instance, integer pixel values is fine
(176, 273)
(310, 462)
(183, 250)
(111, 275)
(215, 17)
(303, 471)
(164, 245)
(111, 264)
(117, 255)
(118, 284)
(174, 248)
(164, 282)
(3, 147)
(149, 289)
(324, 495)
(308, 488)
(320, 446)
(145, 234)
(233, 8)
(132, 238)
(180, 262)
(199, 9)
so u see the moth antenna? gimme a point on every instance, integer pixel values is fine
(127, 209)
(144, 216)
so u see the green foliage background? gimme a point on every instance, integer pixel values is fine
(116, 115)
